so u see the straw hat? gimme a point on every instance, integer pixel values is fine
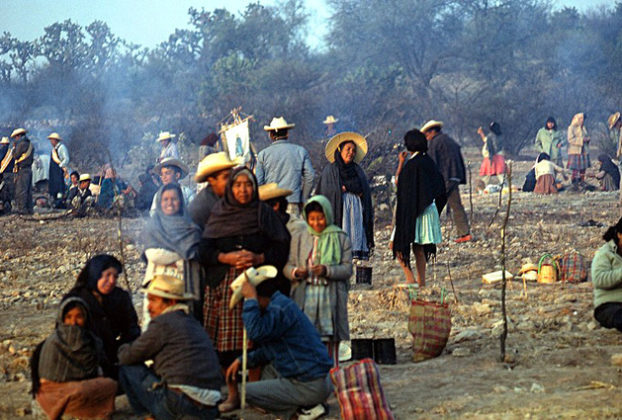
(17, 132)
(278, 123)
(613, 119)
(211, 164)
(336, 140)
(168, 287)
(528, 267)
(55, 136)
(164, 135)
(5, 140)
(330, 120)
(255, 276)
(171, 161)
(85, 177)
(272, 190)
(431, 124)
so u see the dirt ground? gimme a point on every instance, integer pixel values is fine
(559, 358)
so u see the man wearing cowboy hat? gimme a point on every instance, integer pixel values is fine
(23, 152)
(445, 152)
(7, 182)
(59, 161)
(169, 147)
(330, 122)
(172, 170)
(286, 163)
(185, 379)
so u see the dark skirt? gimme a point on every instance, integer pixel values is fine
(56, 181)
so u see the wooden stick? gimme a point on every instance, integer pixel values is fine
(451, 281)
(244, 361)
(504, 334)
(471, 221)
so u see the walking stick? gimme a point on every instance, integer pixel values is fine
(244, 361)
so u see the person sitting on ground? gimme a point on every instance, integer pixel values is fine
(296, 364)
(113, 317)
(81, 200)
(66, 368)
(185, 379)
(113, 190)
(545, 175)
(172, 170)
(74, 179)
(607, 279)
(146, 192)
(609, 174)
(320, 267)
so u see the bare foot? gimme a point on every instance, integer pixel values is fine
(229, 405)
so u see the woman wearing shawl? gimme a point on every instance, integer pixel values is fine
(420, 199)
(549, 140)
(492, 151)
(241, 232)
(545, 171)
(578, 151)
(320, 266)
(113, 318)
(345, 185)
(66, 368)
(609, 174)
(172, 243)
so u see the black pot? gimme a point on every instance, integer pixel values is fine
(384, 351)
(362, 348)
(363, 275)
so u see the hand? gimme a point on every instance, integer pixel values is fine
(391, 245)
(402, 157)
(301, 273)
(480, 131)
(248, 290)
(318, 270)
(232, 371)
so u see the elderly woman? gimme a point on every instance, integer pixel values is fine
(607, 279)
(578, 150)
(550, 141)
(241, 232)
(608, 174)
(66, 368)
(492, 151)
(345, 185)
(113, 318)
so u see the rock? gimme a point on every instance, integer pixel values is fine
(468, 334)
(23, 411)
(536, 388)
(616, 359)
(481, 309)
(500, 389)
(461, 352)
(592, 325)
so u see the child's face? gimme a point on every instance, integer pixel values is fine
(316, 220)
(75, 316)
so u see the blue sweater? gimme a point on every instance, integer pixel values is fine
(285, 337)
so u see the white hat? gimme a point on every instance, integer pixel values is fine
(85, 177)
(278, 123)
(165, 135)
(55, 136)
(168, 287)
(330, 120)
(5, 140)
(431, 124)
(336, 140)
(272, 190)
(171, 161)
(213, 163)
(255, 276)
(17, 132)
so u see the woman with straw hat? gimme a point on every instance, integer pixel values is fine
(345, 185)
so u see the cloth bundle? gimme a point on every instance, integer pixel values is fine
(572, 268)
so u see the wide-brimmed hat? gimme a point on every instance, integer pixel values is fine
(55, 136)
(613, 119)
(85, 177)
(17, 132)
(171, 161)
(164, 135)
(272, 190)
(431, 124)
(255, 276)
(5, 140)
(336, 140)
(528, 267)
(213, 163)
(278, 123)
(168, 287)
(330, 120)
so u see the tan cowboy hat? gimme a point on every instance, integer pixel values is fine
(272, 190)
(17, 132)
(85, 177)
(55, 136)
(213, 163)
(431, 124)
(336, 140)
(5, 140)
(278, 123)
(164, 135)
(255, 276)
(168, 287)
(613, 119)
(330, 120)
(171, 161)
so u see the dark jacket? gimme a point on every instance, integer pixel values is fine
(201, 207)
(180, 349)
(445, 152)
(21, 147)
(4, 148)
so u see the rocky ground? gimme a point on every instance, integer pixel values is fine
(559, 359)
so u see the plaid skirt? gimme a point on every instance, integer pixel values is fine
(579, 162)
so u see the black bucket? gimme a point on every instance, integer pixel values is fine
(363, 275)
(362, 348)
(384, 351)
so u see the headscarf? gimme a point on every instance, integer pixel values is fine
(329, 246)
(347, 172)
(576, 118)
(176, 233)
(609, 167)
(94, 268)
(495, 128)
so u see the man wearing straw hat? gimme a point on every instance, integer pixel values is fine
(59, 161)
(286, 163)
(169, 147)
(7, 183)
(172, 170)
(23, 152)
(185, 379)
(330, 122)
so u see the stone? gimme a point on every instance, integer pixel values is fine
(500, 389)
(461, 352)
(536, 388)
(468, 334)
(616, 359)
(481, 308)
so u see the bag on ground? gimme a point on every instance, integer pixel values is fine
(430, 325)
(572, 268)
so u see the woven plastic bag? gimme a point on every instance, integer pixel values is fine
(430, 325)
(572, 268)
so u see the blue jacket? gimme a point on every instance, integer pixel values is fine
(289, 165)
(285, 337)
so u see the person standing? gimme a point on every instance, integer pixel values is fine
(330, 123)
(550, 141)
(59, 162)
(7, 183)
(614, 123)
(445, 152)
(287, 164)
(169, 147)
(494, 162)
(23, 152)
(578, 148)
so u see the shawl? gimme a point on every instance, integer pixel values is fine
(609, 167)
(71, 353)
(329, 246)
(576, 131)
(348, 174)
(419, 184)
(201, 206)
(176, 233)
